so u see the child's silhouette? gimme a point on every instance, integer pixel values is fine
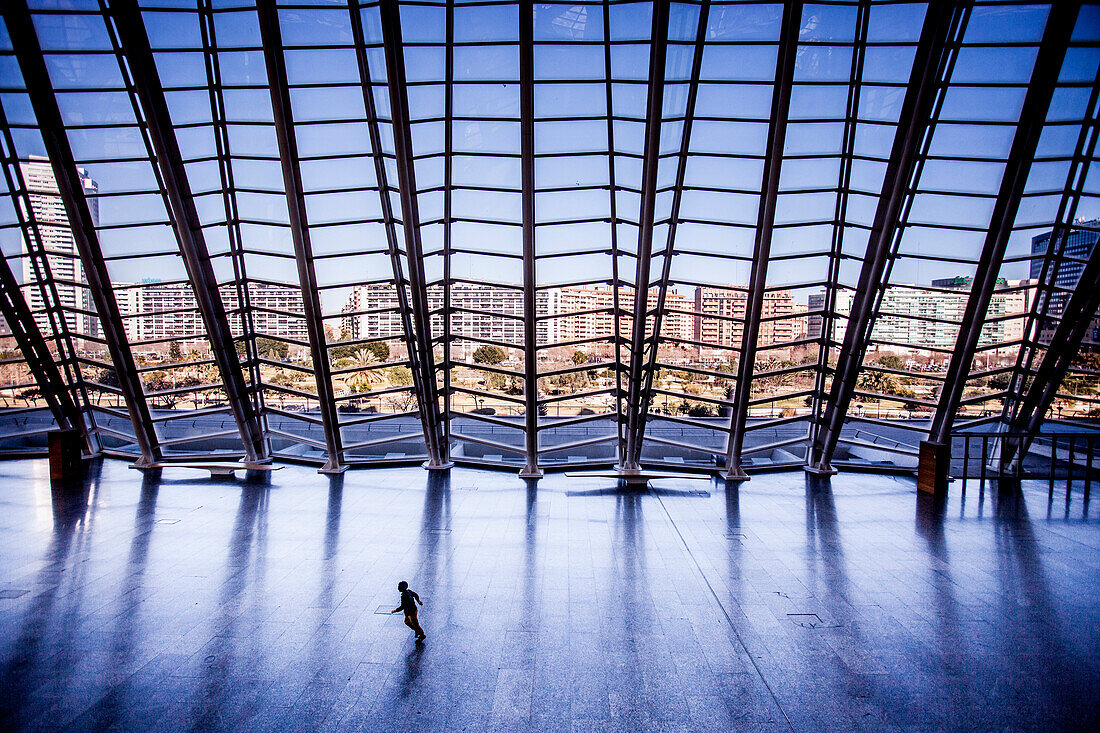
(409, 599)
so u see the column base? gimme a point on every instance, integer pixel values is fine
(736, 474)
(530, 472)
(633, 475)
(820, 470)
(932, 466)
(438, 466)
(66, 459)
(332, 468)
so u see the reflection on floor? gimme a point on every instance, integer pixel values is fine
(180, 602)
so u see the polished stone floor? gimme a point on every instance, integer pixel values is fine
(183, 603)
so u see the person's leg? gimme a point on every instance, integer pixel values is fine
(410, 621)
(416, 627)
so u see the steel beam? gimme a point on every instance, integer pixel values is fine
(134, 44)
(612, 188)
(941, 17)
(36, 352)
(658, 49)
(758, 275)
(1064, 346)
(60, 397)
(650, 366)
(527, 180)
(1044, 77)
(448, 176)
(299, 229)
(71, 191)
(208, 32)
(415, 315)
(840, 215)
(1083, 155)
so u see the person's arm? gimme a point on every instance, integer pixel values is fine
(396, 609)
(417, 598)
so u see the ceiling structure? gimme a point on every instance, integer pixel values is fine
(370, 160)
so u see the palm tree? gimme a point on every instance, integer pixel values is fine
(363, 380)
(877, 382)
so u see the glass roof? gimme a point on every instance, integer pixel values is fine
(720, 236)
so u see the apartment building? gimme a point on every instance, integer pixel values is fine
(62, 258)
(152, 311)
(716, 306)
(913, 317)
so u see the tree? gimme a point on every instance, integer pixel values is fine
(336, 353)
(877, 382)
(156, 381)
(380, 350)
(489, 354)
(284, 379)
(272, 348)
(579, 357)
(405, 401)
(891, 361)
(400, 376)
(175, 353)
(108, 378)
(361, 381)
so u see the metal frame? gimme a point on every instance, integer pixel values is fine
(18, 312)
(208, 32)
(635, 419)
(941, 37)
(940, 19)
(863, 13)
(418, 333)
(1044, 77)
(299, 229)
(1075, 321)
(777, 131)
(134, 43)
(1083, 156)
(527, 179)
(616, 281)
(40, 90)
(650, 367)
(37, 354)
(448, 170)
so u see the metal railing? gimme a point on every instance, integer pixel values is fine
(1050, 457)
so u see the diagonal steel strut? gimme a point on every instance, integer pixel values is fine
(651, 152)
(758, 276)
(941, 17)
(82, 225)
(134, 41)
(299, 229)
(415, 315)
(1040, 91)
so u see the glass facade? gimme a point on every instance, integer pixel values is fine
(721, 236)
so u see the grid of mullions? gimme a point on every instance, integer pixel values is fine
(49, 321)
(589, 84)
(946, 222)
(182, 386)
(1059, 192)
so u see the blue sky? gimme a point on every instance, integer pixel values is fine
(738, 68)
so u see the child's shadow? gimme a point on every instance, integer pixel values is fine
(412, 668)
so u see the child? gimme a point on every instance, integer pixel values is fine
(409, 607)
